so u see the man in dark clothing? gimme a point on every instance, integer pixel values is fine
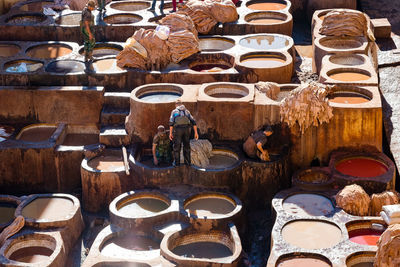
(180, 123)
(255, 142)
(86, 25)
(161, 147)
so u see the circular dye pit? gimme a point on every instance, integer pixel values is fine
(31, 19)
(308, 205)
(265, 42)
(104, 49)
(226, 90)
(303, 262)
(107, 163)
(106, 65)
(48, 208)
(266, 5)
(262, 61)
(314, 177)
(348, 60)
(214, 44)
(210, 67)
(8, 50)
(35, 7)
(159, 97)
(130, 6)
(122, 19)
(267, 17)
(36, 133)
(201, 249)
(69, 20)
(142, 206)
(348, 98)
(361, 259)
(337, 43)
(77, 139)
(221, 159)
(209, 205)
(7, 212)
(361, 167)
(349, 76)
(47, 51)
(116, 245)
(31, 254)
(22, 66)
(311, 234)
(66, 66)
(366, 236)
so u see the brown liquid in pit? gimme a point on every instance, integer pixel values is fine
(364, 264)
(349, 99)
(349, 76)
(106, 65)
(8, 50)
(210, 207)
(208, 250)
(80, 139)
(31, 254)
(265, 21)
(6, 213)
(263, 62)
(143, 207)
(267, 6)
(303, 262)
(48, 208)
(311, 234)
(129, 241)
(49, 51)
(107, 163)
(37, 134)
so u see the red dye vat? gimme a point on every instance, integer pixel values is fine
(361, 167)
(367, 236)
(210, 67)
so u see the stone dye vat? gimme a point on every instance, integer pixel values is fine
(373, 171)
(122, 18)
(275, 42)
(22, 66)
(104, 49)
(361, 259)
(226, 90)
(222, 159)
(308, 204)
(106, 65)
(107, 170)
(8, 205)
(47, 208)
(215, 44)
(130, 5)
(273, 5)
(313, 178)
(48, 51)
(71, 19)
(303, 260)
(26, 19)
(207, 63)
(192, 248)
(265, 18)
(37, 133)
(349, 75)
(9, 50)
(65, 67)
(366, 232)
(348, 98)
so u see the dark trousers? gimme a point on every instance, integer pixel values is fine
(181, 135)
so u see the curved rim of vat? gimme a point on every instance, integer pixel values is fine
(205, 59)
(48, 241)
(76, 208)
(297, 181)
(331, 72)
(358, 43)
(42, 18)
(235, 201)
(108, 152)
(284, 17)
(287, 47)
(120, 263)
(125, 198)
(352, 90)
(27, 60)
(379, 157)
(65, 72)
(239, 87)
(285, 2)
(204, 39)
(102, 45)
(11, 44)
(211, 236)
(9, 199)
(39, 125)
(222, 151)
(20, 5)
(283, 55)
(358, 257)
(56, 44)
(336, 59)
(307, 255)
(59, 16)
(321, 219)
(116, 4)
(358, 224)
(115, 15)
(291, 194)
(155, 88)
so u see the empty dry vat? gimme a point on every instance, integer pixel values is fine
(267, 66)
(103, 177)
(22, 66)
(269, 22)
(215, 43)
(375, 172)
(143, 209)
(48, 50)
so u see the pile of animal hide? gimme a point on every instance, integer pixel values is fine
(382, 199)
(345, 23)
(205, 14)
(270, 89)
(307, 105)
(200, 152)
(353, 200)
(147, 51)
(388, 253)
